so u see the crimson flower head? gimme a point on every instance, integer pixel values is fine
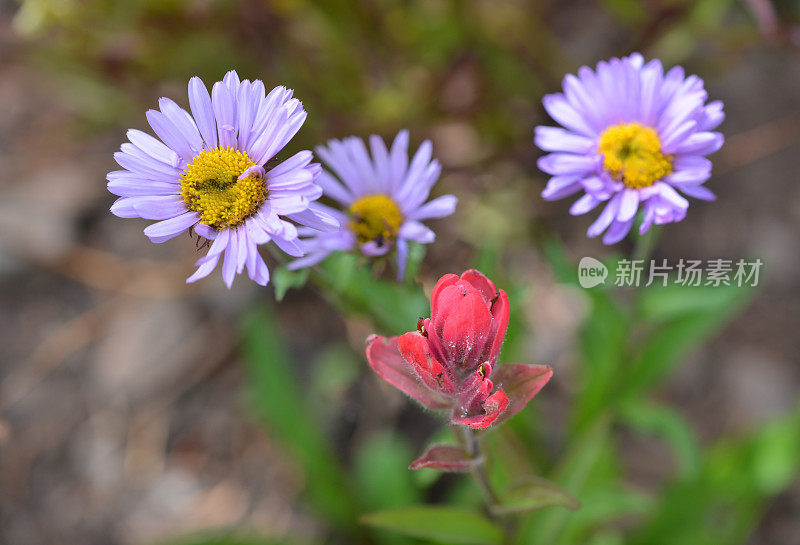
(450, 362)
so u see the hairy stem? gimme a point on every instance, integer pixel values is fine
(471, 441)
(472, 444)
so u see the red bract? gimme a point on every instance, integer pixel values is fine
(450, 362)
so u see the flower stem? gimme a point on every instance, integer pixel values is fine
(645, 244)
(472, 444)
(471, 441)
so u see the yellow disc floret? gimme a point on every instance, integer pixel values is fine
(632, 154)
(375, 217)
(210, 186)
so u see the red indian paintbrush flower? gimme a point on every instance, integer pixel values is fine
(450, 362)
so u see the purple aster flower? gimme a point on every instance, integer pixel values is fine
(633, 137)
(383, 197)
(209, 174)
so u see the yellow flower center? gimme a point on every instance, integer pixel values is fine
(375, 217)
(632, 154)
(210, 186)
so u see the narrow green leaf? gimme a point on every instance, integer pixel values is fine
(603, 342)
(776, 456)
(416, 254)
(383, 480)
(661, 303)
(681, 318)
(607, 537)
(221, 538)
(585, 456)
(381, 471)
(283, 280)
(532, 494)
(604, 504)
(280, 403)
(565, 268)
(442, 524)
(724, 503)
(670, 426)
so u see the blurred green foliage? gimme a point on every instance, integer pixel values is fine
(279, 401)
(224, 538)
(358, 65)
(629, 346)
(439, 524)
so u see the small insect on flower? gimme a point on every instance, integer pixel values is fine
(632, 136)
(207, 174)
(450, 362)
(383, 198)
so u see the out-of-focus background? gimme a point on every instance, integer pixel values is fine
(123, 417)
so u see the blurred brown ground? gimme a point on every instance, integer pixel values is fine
(121, 413)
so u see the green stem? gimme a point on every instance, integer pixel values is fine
(325, 288)
(472, 443)
(323, 285)
(645, 244)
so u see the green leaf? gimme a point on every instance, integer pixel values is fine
(443, 524)
(283, 280)
(776, 456)
(382, 475)
(680, 318)
(532, 494)
(603, 343)
(280, 403)
(395, 308)
(603, 338)
(662, 303)
(669, 425)
(724, 503)
(585, 458)
(383, 480)
(416, 254)
(565, 268)
(222, 538)
(336, 368)
(607, 537)
(606, 503)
